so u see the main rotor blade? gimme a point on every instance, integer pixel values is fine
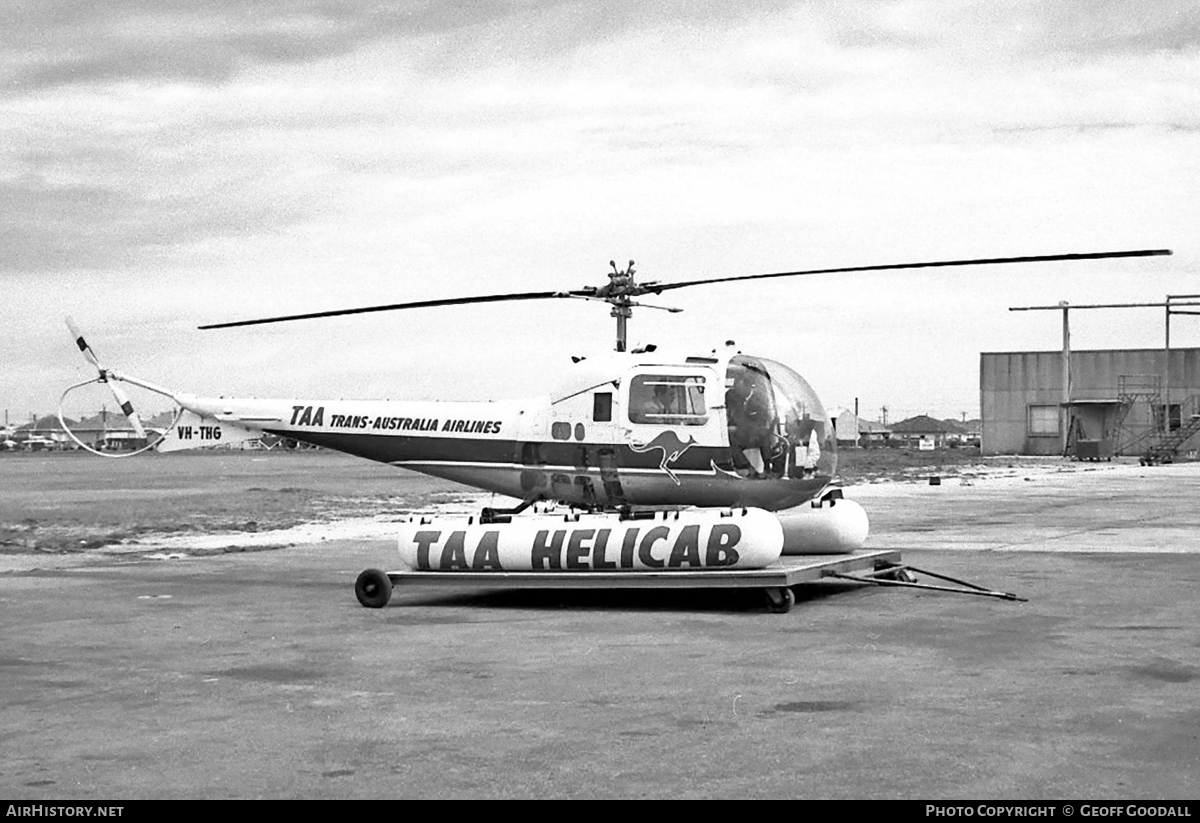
(419, 304)
(658, 288)
(983, 261)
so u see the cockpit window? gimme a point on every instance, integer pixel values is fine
(668, 400)
(777, 426)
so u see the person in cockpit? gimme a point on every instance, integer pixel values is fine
(749, 410)
(657, 406)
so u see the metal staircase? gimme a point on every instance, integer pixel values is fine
(1165, 445)
(1133, 432)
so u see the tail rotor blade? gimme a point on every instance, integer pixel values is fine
(107, 377)
(127, 408)
(82, 344)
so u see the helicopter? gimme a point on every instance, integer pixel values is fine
(731, 455)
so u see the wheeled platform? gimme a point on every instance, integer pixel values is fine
(374, 587)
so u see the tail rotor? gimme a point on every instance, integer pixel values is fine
(108, 377)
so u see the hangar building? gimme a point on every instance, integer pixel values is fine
(1114, 405)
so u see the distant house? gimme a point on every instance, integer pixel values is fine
(43, 433)
(871, 433)
(972, 430)
(845, 425)
(912, 431)
(853, 430)
(107, 431)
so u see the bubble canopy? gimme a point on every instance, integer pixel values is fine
(778, 427)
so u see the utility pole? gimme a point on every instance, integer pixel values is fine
(1167, 369)
(1064, 418)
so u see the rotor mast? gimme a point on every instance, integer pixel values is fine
(619, 293)
(620, 283)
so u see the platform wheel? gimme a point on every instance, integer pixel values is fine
(781, 600)
(373, 588)
(901, 575)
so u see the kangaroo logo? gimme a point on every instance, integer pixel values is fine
(672, 449)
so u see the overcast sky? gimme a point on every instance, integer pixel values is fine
(168, 164)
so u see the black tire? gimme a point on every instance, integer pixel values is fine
(373, 588)
(781, 600)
